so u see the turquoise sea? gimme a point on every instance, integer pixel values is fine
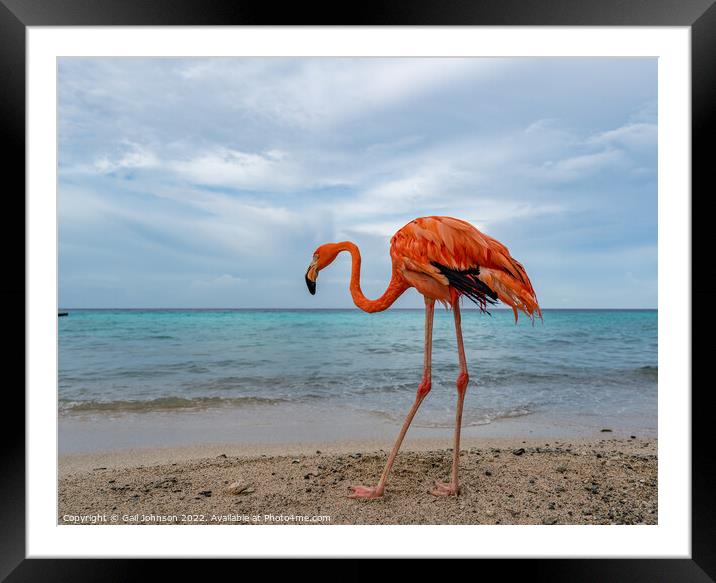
(576, 364)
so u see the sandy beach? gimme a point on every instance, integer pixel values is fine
(607, 480)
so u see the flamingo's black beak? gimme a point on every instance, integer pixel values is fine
(311, 279)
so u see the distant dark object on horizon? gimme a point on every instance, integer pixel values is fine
(62, 314)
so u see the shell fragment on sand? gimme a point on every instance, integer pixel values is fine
(239, 487)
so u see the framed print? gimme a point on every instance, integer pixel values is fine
(417, 285)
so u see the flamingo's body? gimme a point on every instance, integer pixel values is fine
(444, 259)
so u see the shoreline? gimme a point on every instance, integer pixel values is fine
(504, 480)
(284, 426)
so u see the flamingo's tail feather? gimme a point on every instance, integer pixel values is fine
(515, 292)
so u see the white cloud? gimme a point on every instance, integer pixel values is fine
(382, 229)
(232, 168)
(618, 148)
(483, 213)
(321, 92)
(578, 167)
(134, 156)
(541, 125)
(225, 226)
(240, 229)
(633, 136)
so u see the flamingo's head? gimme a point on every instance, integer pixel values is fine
(322, 257)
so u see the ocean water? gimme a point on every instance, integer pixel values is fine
(576, 364)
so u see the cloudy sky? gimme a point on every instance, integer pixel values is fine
(209, 182)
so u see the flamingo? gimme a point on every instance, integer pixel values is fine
(444, 259)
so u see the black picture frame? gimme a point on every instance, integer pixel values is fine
(17, 15)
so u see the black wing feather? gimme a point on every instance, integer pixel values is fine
(466, 282)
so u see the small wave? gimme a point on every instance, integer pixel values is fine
(151, 372)
(164, 404)
(384, 383)
(558, 342)
(648, 371)
(377, 350)
(483, 418)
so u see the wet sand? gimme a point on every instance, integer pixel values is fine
(610, 479)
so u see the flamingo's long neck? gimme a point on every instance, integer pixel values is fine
(395, 289)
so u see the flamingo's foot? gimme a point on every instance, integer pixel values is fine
(366, 492)
(442, 489)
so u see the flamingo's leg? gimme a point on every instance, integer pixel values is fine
(423, 390)
(453, 488)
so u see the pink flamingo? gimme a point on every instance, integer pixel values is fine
(444, 259)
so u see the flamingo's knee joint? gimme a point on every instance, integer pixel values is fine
(424, 388)
(462, 382)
